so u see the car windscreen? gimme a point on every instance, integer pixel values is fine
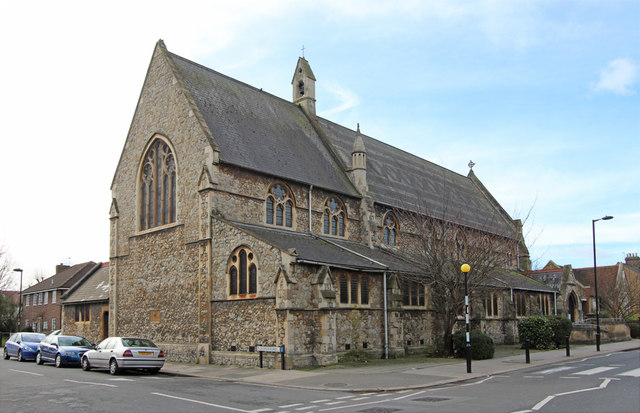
(73, 341)
(32, 338)
(137, 342)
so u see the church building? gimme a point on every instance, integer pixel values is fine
(240, 219)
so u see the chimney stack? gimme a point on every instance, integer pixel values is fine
(61, 267)
(632, 260)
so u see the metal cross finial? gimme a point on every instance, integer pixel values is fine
(471, 164)
(303, 51)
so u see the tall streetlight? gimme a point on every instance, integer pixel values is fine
(595, 277)
(465, 268)
(20, 299)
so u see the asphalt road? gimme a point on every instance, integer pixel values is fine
(603, 384)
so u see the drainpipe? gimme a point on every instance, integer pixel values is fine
(310, 189)
(386, 321)
(555, 303)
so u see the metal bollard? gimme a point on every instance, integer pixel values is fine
(566, 339)
(526, 351)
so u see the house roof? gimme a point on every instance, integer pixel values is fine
(551, 277)
(63, 279)
(93, 287)
(510, 279)
(262, 132)
(606, 274)
(329, 251)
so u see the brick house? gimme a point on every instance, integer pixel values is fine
(42, 304)
(85, 306)
(241, 219)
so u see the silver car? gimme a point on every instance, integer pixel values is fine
(120, 353)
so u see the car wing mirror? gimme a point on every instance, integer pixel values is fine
(55, 345)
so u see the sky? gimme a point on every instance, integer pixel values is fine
(543, 96)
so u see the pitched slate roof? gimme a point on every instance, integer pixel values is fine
(551, 277)
(64, 279)
(328, 251)
(261, 132)
(93, 287)
(519, 281)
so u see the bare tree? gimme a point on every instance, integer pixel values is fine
(443, 236)
(620, 298)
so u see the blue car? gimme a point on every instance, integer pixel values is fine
(62, 350)
(22, 346)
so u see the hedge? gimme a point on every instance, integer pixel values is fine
(537, 330)
(482, 346)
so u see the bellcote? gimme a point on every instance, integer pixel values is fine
(304, 86)
(359, 163)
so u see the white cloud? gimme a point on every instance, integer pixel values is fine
(618, 77)
(346, 100)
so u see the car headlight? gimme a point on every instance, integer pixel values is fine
(69, 353)
(29, 348)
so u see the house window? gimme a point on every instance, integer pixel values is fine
(390, 230)
(243, 274)
(353, 289)
(83, 312)
(279, 206)
(45, 325)
(491, 305)
(26, 303)
(334, 217)
(53, 323)
(157, 186)
(39, 298)
(413, 293)
(26, 323)
(46, 299)
(53, 298)
(521, 307)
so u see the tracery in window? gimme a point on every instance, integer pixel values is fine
(279, 206)
(390, 229)
(157, 187)
(334, 217)
(243, 274)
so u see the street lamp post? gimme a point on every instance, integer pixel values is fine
(19, 299)
(595, 277)
(465, 268)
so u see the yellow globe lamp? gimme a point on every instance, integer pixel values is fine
(465, 268)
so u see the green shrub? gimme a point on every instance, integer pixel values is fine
(634, 326)
(482, 346)
(561, 327)
(537, 330)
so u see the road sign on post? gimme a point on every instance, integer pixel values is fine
(272, 349)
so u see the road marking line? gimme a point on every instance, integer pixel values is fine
(347, 406)
(121, 379)
(555, 370)
(201, 402)
(305, 408)
(345, 397)
(366, 394)
(569, 377)
(286, 406)
(593, 371)
(91, 383)
(361, 398)
(338, 402)
(320, 401)
(478, 382)
(27, 372)
(409, 395)
(261, 410)
(547, 399)
(631, 373)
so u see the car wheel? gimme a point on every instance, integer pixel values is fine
(113, 367)
(85, 364)
(39, 358)
(6, 355)
(58, 360)
(20, 355)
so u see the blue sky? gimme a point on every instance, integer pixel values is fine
(541, 95)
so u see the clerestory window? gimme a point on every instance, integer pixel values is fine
(157, 186)
(279, 206)
(334, 217)
(243, 274)
(390, 230)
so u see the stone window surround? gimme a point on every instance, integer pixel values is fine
(491, 304)
(351, 281)
(334, 217)
(251, 281)
(412, 291)
(173, 213)
(280, 195)
(390, 229)
(520, 302)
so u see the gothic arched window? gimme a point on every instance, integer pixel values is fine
(243, 274)
(334, 217)
(390, 229)
(279, 206)
(157, 186)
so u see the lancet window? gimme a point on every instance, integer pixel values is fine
(334, 217)
(157, 188)
(279, 206)
(390, 230)
(243, 274)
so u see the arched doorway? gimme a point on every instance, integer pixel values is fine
(573, 308)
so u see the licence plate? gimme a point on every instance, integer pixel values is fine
(145, 353)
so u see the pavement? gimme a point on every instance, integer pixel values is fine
(394, 376)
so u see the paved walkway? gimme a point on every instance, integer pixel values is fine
(389, 377)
